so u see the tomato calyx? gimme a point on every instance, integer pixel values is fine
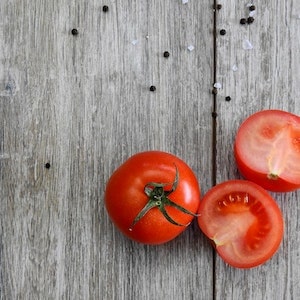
(272, 176)
(158, 197)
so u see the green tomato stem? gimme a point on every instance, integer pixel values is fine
(158, 197)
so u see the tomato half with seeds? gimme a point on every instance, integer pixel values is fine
(267, 150)
(243, 221)
(152, 197)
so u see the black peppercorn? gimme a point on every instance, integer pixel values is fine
(47, 165)
(222, 31)
(214, 114)
(252, 7)
(250, 20)
(215, 91)
(166, 54)
(152, 88)
(105, 8)
(217, 6)
(227, 98)
(243, 21)
(74, 31)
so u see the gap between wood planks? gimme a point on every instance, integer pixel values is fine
(214, 108)
(214, 126)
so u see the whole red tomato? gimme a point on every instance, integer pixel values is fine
(152, 197)
(243, 221)
(267, 150)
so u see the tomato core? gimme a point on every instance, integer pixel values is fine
(239, 211)
(278, 153)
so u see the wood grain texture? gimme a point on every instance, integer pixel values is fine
(267, 76)
(82, 103)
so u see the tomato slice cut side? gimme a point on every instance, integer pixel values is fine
(243, 221)
(267, 150)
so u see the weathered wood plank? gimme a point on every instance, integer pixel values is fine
(267, 76)
(82, 103)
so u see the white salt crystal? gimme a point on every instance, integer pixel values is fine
(249, 4)
(191, 47)
(185, 1)
(247, 45)
(234, 68)
(252, 13)
(134, 42)
(217, 85)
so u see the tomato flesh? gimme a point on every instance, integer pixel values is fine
(243, 221)
(267, 150)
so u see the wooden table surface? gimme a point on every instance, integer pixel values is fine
(81, 103)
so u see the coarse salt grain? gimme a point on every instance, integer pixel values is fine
(217, 85)
(234, 68)
(249, 4)
(134, 42)
(247, 45)
(191, 47)
(185, 1)
(252, 13)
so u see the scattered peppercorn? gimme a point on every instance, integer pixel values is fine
(166, 54)
(74, 31)
(214, 114)
(222, 31)
(105, 8)
(250, 20)
(215, 91)
(227, 98)
(47, 165)
(243, 21)
(152, 88)
(252, 7)
(217, 6)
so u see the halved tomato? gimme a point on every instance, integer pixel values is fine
(267, 150)
(243, 221)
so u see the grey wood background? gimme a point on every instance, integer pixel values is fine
(82, 104)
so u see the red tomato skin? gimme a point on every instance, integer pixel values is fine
(246, 169)
(125, 197)
(209, 222)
